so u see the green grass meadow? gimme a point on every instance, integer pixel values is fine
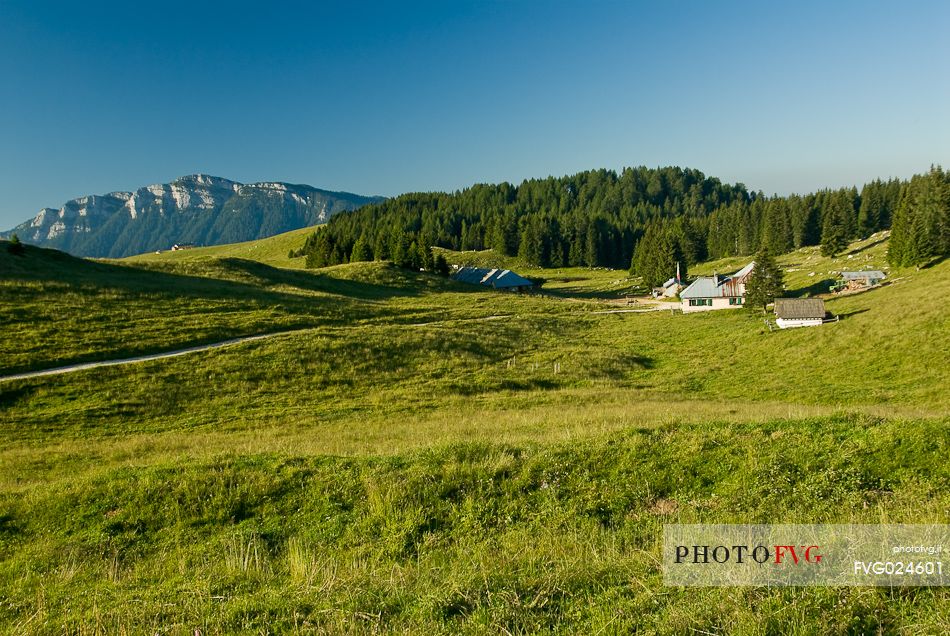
(420, 456)
(274, 250)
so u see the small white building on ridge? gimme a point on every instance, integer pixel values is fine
(716, 292)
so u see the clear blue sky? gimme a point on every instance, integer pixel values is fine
(400, 96)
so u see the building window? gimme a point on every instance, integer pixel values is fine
(735, 301)
(700, 302)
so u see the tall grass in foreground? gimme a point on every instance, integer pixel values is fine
(468, 538)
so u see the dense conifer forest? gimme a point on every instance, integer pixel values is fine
(642, 218)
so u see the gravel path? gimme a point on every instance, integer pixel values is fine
(82, 366)
(152, 356)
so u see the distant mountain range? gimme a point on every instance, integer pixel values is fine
(197, 209)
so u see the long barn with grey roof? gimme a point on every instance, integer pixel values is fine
(494, 278)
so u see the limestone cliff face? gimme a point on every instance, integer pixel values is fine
(199, 209)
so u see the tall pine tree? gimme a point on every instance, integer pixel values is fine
(656, 256)
(835, 226)
(766, 282)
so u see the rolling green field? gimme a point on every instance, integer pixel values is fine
(419, 456)
(274, 251)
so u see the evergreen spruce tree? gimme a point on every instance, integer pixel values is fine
(643, 256)
(834, 227)
(531, 247)
(557, 256)
(851, 201)
(440, 265)
(656, 256)
(747, 232)
(414, 260)
(766, 282)
(810, 223)
(15, 246)
(688, 241)
(892, 198)
(776, 227)
(361, 250)
(505, 240)
(902, 221)
(321, 253)
(426, 257)
(592, 246)
(403, 250)
(381, 247)
(872, 208)
(575, 254)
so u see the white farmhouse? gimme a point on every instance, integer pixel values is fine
(716, 292)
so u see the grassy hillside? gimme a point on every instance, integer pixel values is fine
(57, 309)
(273, 251)
(807, 271)
(434, 458)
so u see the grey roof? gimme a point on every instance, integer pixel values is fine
(702, 287)
(745, 271)
(797, 308)
(709, 287)
(871, 273)
(497, 278)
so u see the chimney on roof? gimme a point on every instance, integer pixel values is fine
(716, 278)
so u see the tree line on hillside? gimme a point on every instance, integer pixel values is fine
(921, 227)
(642, 218)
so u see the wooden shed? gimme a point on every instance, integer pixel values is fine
(799, 312)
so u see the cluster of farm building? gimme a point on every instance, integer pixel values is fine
(705, 293)
(708, 293)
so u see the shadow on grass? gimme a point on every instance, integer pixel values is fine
(821, 287)
(320, 282)
(848, 314)
(643, 362)
(11, 395)
(585, 294)
(868, 246)
(507, 384)
(8, 526)
(40, 264)
(934, 262)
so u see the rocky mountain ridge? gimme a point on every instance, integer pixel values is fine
(195, 209)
